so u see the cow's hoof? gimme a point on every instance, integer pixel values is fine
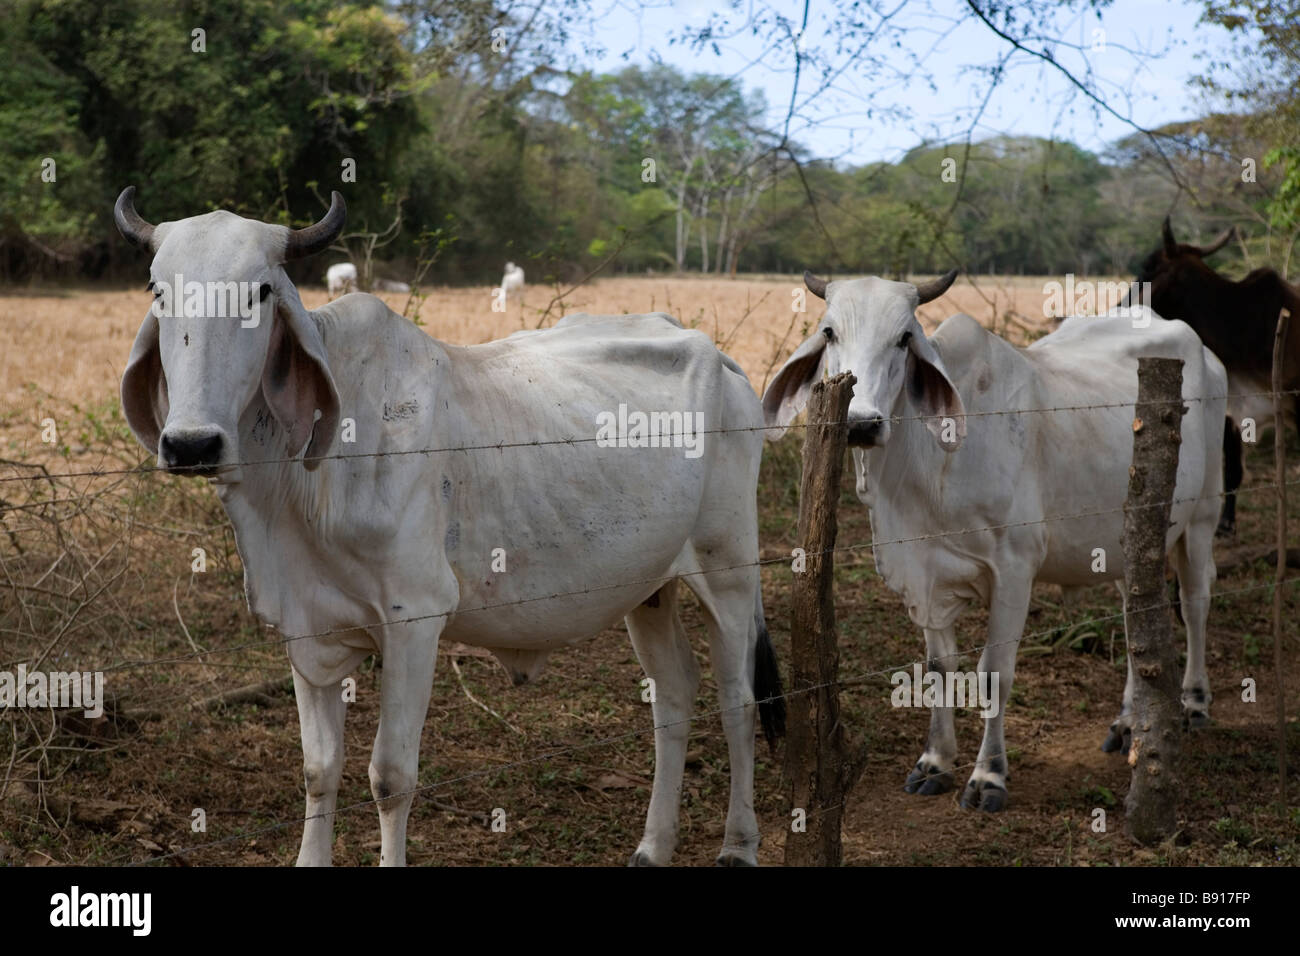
(732, 857)
(1196, 708)
(641, 858)
(985, 794)
(1120, 738)
(1226, 529)
(928, 780)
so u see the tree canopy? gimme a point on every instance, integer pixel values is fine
(468, 120)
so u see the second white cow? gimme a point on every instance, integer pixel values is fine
(944, 441)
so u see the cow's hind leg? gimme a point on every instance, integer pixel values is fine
(987, 787)
(1120, 735)
(667, 659)
(1194, 564)
(410, 652)
(728, 599)
(933, 772)
(321, 713)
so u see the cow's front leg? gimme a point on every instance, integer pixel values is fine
(665, 654)
(933, 772)
(410, 652)
(987, 787)
(321, 712)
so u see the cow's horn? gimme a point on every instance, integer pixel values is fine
(312, 239)
(929, 291)
(815, 285)
(1167, 235)
(1219, 243)
(133, 228)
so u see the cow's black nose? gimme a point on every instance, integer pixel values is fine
(191, 454)
(863, 432)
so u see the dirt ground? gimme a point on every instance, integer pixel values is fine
(96, 573)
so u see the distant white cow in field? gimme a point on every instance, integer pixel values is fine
(513, 280)
(517, 546)
(341, 277)
(940, 447)
(391, 285)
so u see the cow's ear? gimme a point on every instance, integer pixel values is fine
(934, 394)
(297, 382)
(788, 394)
(144, 386)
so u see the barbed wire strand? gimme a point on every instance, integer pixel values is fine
(142, 468)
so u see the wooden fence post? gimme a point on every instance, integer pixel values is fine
(1279, 467)
(821, 765)
(1151, 808)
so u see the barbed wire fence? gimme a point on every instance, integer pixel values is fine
(86, 557)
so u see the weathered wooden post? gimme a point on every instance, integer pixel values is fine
(1279, 467)
(821, 764)
(1150, 810)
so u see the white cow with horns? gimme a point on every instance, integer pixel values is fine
(936, 452)
(392, 541)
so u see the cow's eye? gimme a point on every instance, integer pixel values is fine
(904, 339)
(829, 333)
(265, 291)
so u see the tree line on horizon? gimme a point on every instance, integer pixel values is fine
(474, 139)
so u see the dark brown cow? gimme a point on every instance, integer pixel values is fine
(1236, 321)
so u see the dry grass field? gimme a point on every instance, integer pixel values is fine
(74, 343)
(95, 574)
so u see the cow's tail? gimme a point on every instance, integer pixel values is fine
(1232, 468)
(767, 681)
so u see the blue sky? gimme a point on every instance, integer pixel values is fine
(1151, 48)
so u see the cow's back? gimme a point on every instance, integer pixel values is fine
(611, 358)
(1089, 369)
(1096, 359)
